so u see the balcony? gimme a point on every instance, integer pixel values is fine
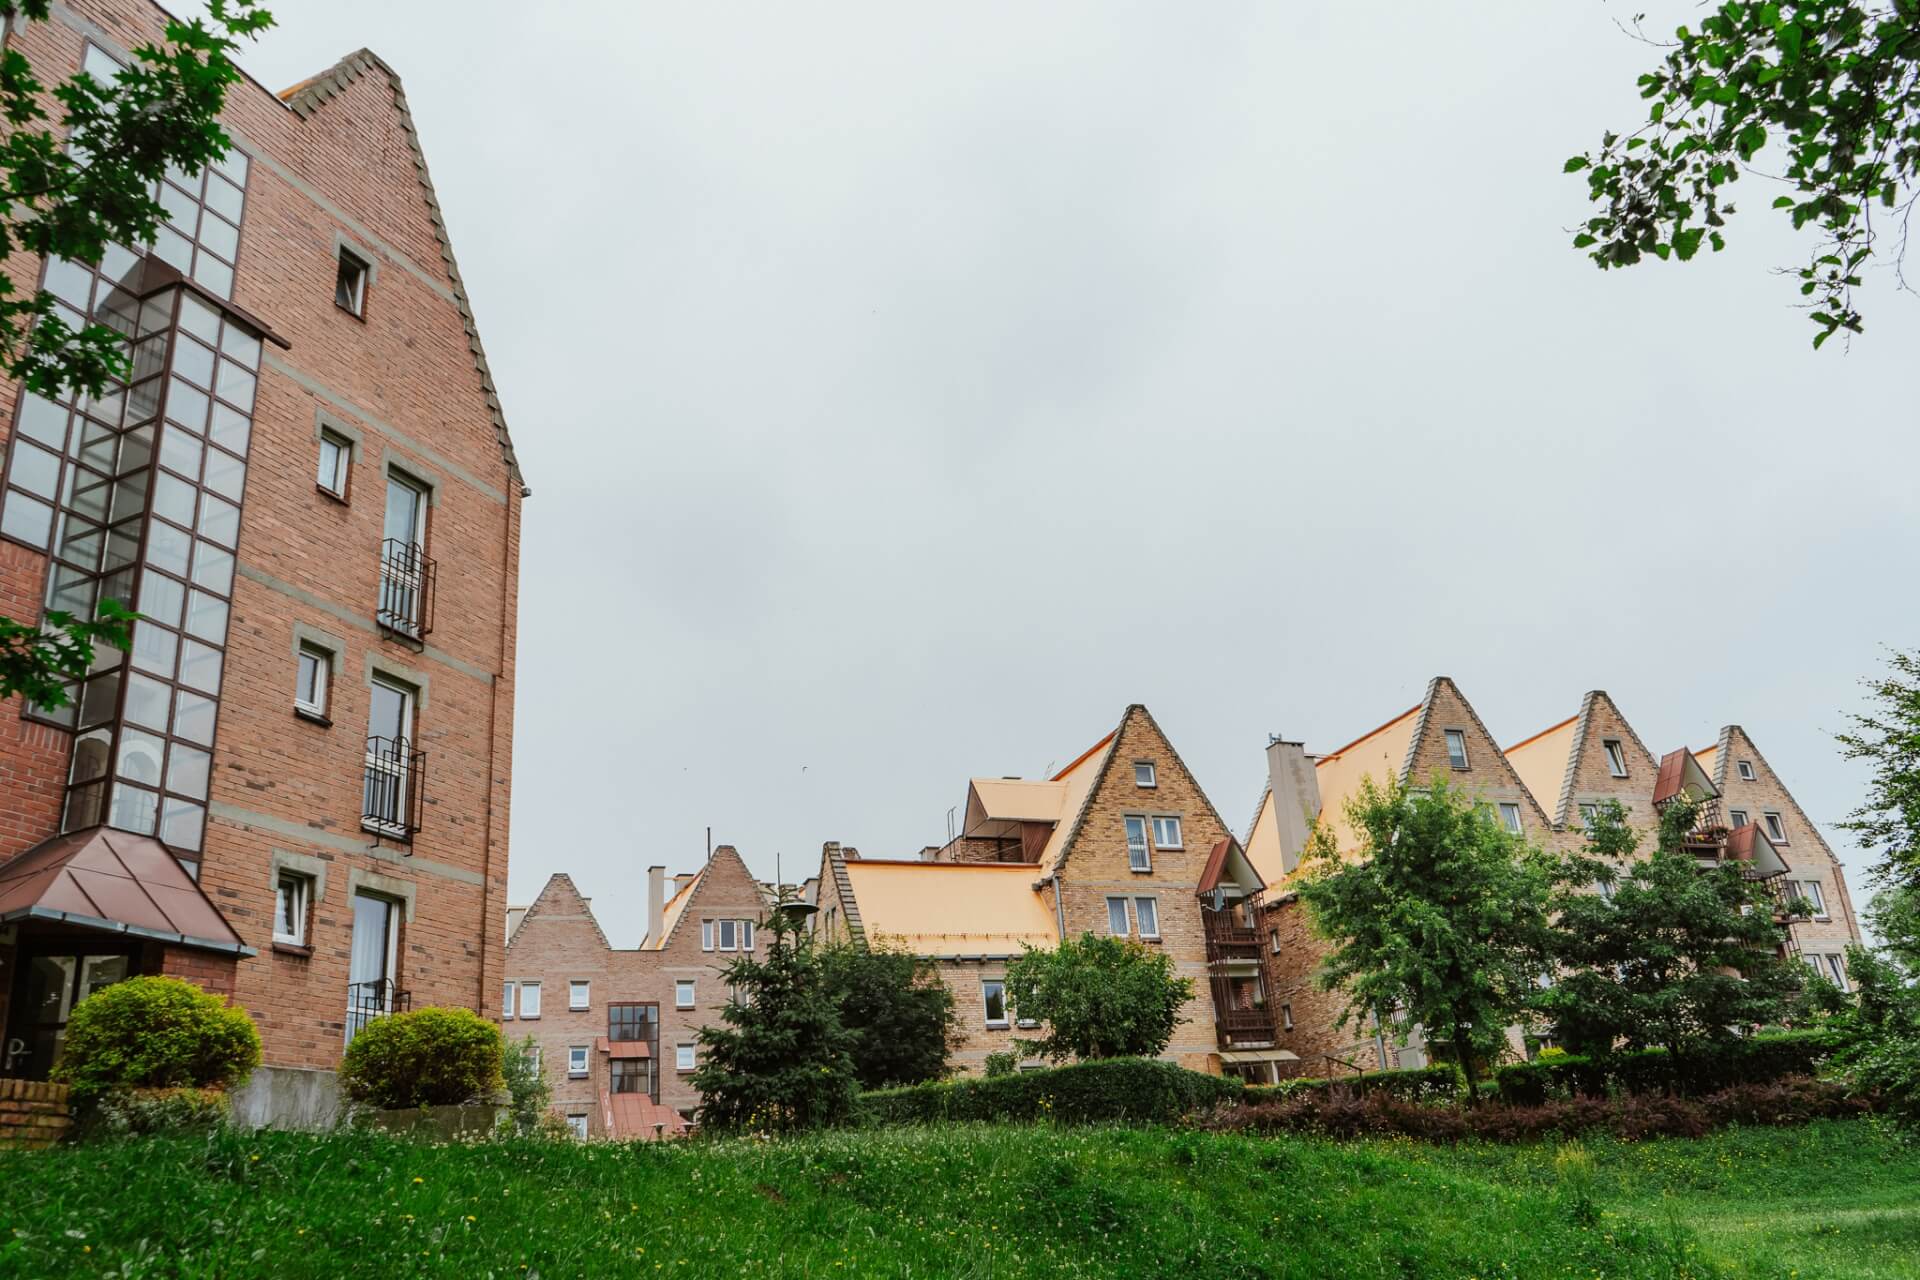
(1244, 1028)
(394, 776)
(369, 1000)
(1229, 937)
(406, 590)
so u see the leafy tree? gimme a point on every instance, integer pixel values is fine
(782, 1061)
(898, 1011)
(1880, 1033)
(1098, 997)
(526, 1084)
(1826, 91)
(1888, 737)
(69, 188)
(1668, 953)
(1435, 919)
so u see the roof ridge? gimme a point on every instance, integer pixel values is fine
(1112, 740)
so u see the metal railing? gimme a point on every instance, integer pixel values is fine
(406, 589)
(394, 776)
(369, 1000)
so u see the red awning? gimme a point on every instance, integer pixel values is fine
(635, 1115)
(114, 882)
(622, 1048)
(1217, 866)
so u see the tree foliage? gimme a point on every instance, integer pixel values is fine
(1826, 92)
(897, 1010)
(526, 1084)
(781, 1061)
(1667, 953)
(1098, 997)
(70, 187)
(1435, 919)
(1888, 738)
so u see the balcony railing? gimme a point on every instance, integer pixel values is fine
(395, 773)
(406, 589)
(1229, 937)
(369, 1000)
(1239, 1027)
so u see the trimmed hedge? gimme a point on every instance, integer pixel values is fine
(1140, 1090)
(156, 1033)
(1756, 1060)
(1440, 1083)
(430, 1057)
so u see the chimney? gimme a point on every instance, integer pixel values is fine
(1296, 798)
(656, 902)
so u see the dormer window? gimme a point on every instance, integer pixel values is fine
(1143, 774)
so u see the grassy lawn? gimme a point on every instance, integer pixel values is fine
(1829, 1200)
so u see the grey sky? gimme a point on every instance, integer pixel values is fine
(905, 392)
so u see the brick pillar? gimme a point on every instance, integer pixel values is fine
(33, 1113)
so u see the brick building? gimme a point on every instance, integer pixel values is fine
(1121, 841)
(617, 1030)
(295, 787)
(1542, 787)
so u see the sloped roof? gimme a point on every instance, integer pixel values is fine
(951, 908)
(1380, 754)
(1015, 799)
(670, 914)
(311, 95)
(543, 907)
(1542, 760)
(635, 1116)
(1226, 851)
(114, 882)
(1079, 777)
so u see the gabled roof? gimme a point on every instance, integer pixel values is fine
(949, 908)
(1227, 860)
(556, 901)
(1080, 778)
(1545, 760)
(670, 914)
(1381, 754)
(114, 882)
(311, 95)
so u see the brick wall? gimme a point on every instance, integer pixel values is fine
(33, 1113)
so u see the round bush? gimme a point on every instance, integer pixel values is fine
(427, 1058)
(154, 1033)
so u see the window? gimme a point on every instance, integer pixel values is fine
(1166, 833)
(993, 994)
(1456, 748)
(683, 1057)
(1273, 941)
(746, 935)
(1588, 812)
(403, 557)
(630, 1075)
(506, 1001)
(631, 1023)
(290, 908)
(579, 994)
(729, 933)
(1746, 771)
(533, 1058)
(1616, 758)
(336, 455)
(1147, 912)
(529, 999)
(1837, 970)
(1137, 857)
(1117, 917)
(683, 994)
(1738, 817)
(313, 679)
(1775, 831)
(576, 1061)
(706, 935)
(1510, 817)
(1143, 775)
(577, 1126)
(1286, 1017)
(350, 285)
(389, 765)
(371, 955)
(1810, 890)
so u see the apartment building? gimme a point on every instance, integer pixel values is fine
(1122, 841)
(1543, 787)
(616, 1031)
(294, 788)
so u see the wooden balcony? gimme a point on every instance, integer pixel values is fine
(1229, 938)
(1242, 1028)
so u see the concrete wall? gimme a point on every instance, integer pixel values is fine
(289, 1098)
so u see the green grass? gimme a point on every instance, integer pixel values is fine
(1828, 1200)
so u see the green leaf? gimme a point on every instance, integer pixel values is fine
(1575, 164)
(1582, 240)
(1687, 243)
(1783, 202)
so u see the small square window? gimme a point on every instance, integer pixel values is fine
(1456, 748)
(350, 284)
(1510, 818)
(1117, 917)
(1746, 770)
(576, 1061)
(1776, 830)
(336, 458)
(1616, 758)
(506, 1002)
(993, 995)
(1138, 858)
(683, 1057)
(1147, 912)
(1738, 817)
(1166, 833)
(529, 999)
(579, 995)
(313, 678)
(1143, 774)
(683, 994)
(291, 896)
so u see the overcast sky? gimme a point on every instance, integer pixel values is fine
(905, 391)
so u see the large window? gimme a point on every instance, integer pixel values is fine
(630, 1075)
(631, 1023)
(391, 761)
(371, 989)
(1457, 748)
(405, 571)
(1138, 858)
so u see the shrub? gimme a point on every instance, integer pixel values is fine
(430, 1057)
(1002, 1062)
(1441, 1083)
(526, 1084)
(1753, 1060)
(156, 1032)
(1140, 1090)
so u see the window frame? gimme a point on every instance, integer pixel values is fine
(577, 1126)
(342, 468)
(1837, 971)
(584, 987)
(400, 770)
(1152, 904)
(986, 1004)
(534, 987)
(1738, 817)
(1151, 780)
(1179, 831)
(509, 999)
(322, 658)
(1273, 941)
(1745, 769)
(1286, 1017)
(300, 911)
(1589, 810)
(577, 1053)
(1457, 737)
(1511, 819)
(356, 304)
(1126, 920)
(686, 987)
(1144, 848)
(1776, 827)
(722, 928)
(706, 935)
(686, 1056)
(1616, 754)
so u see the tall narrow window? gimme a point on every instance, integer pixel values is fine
(1510, 818)
(1456, 748)
(729, 934)
(579, 994)
(336, 454)
(390, 761)
(1837, 970)
(1776, 831)
(1147, 912)
(350, 284)
(403, 558)
(506, 1000)
(706, 935)
(290, 908)
(313, 677)
(529, 999)
(1137, 856)
(1286, 1017)
(370, 961)
(1117, 917)
(1616, 758)
(993, 995)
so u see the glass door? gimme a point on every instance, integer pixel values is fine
(45, 989)
(370, 961)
